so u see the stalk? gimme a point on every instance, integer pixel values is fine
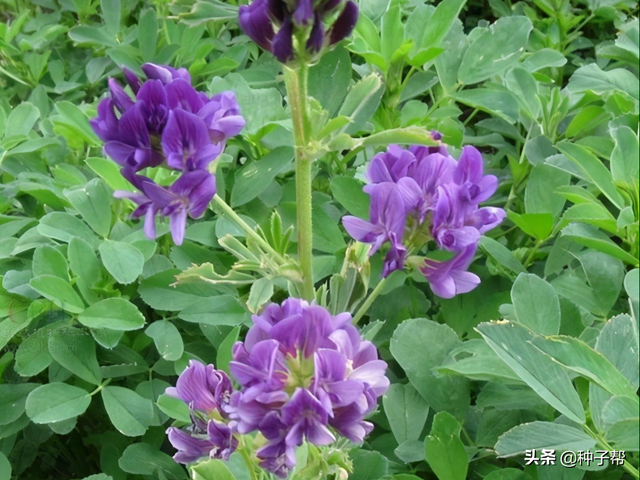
(296, 83)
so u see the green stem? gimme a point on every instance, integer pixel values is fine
(100, 387)
(248, 230)
(605, 445)
(369, 301)
(533, 252)
(296, 84)
(250, 464)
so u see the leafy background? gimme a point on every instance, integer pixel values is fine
(92, 329)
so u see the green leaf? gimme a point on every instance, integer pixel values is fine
(329, 79)
(251, 180)
(623, 435)
(590, 237)
(212, 470)
(412, 135)
(540, 195)
(512, 343)
(61, 293)
(5, 468)
(21, 120)
(618, 341)
(501, 254)
(148, 34)
(545, 58)
(122, 260)
(144, 459)
(362, 101)
(217, 310)
(85, 267)
(130, 413)
(582, 359)
(75, 350)
(592, 78)
(406, 411)
(64, 226)
(93, 202)
(49, 261)
(446, 393)
(55, 402)
(327, 236)
(537, 225)
(391, 31)
(539, 435)
(592, 169)
(444, 450)
(114, 314)
(224, 353)
(109, 172)
(368, 465)
(89, 34)
(624, 164)
(441, 21)
(167, 339)
(541, 317)
(111, 11)
(12, 400)
(500, 103)
(494, 49)
(174, 408)
(260, 293)
(77, 119)
(619, 408)
(348, 192)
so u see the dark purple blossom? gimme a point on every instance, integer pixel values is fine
(186, 143)
(273, 24)
(222, 117)
(422, 196)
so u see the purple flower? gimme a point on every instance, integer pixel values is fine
(105, 125)
(344, 24)
(421, 195)
(214, 441)
(145, 207)
(152, 99)
(254, 21)
(202, 387)
(190, 194)
(165, 73)
(273, 24)
(387, 215)
(477, 188)
(186, 142)
(222, 117)
(303, 372)
(133, 147)
(121, 99)
(450, 278)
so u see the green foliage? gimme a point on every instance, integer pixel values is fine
(543, 354)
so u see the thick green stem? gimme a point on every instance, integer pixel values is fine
(296, 83)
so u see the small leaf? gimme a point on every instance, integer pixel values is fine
(167, 339)
(124, 261)
(75, 350)
(114, 314)
(444, 450)
(55, 402)
(130, 413)
(539, 435)
(61, 293)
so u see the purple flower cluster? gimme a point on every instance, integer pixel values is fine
(207, 391)
(303, 374)
(168, 123)
(423, 194)
(274, 24)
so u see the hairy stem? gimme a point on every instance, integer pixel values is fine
(296, 84)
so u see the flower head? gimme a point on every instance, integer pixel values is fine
(273, 25)
(422, 196)
(304, 375)
(167, 123)
(207, 392)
